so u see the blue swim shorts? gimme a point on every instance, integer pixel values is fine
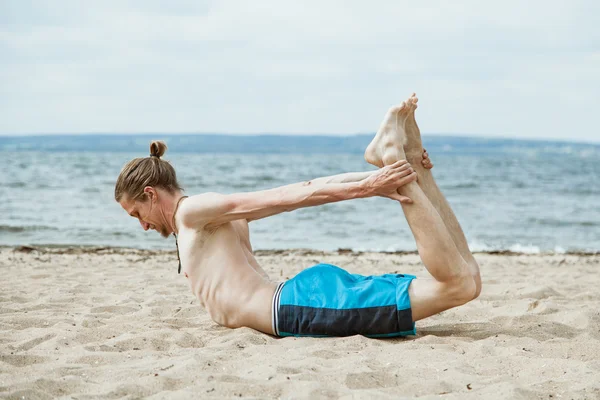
(325, 300)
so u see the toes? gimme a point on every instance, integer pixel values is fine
(403, 108)
(414, 99)
(411, 102)
(426, 161)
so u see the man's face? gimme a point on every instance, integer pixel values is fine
(148, 213)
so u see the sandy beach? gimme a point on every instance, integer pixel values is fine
(118, 323)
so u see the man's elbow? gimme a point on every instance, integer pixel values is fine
(228, 203)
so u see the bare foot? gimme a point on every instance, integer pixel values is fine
(413, 147)
(388, 144)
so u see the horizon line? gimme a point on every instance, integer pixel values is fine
(340, 135)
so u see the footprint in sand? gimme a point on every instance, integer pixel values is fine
(40, 276)
(288, 370)
(369, 380)
(540, 294)
(594, 324)
(531, 326)
(125, 391)
(93, 360)
(55, 388)
(187, 312)
(30, 344)
(189, 341)
(102, 348)
(139, 343)
(324, 394)
(17, 360)
(92, 323)
(178, 323)
(28, 394)
(542, 307)
(25, 323)
(114, 310)
(326, 354)
(19, 299)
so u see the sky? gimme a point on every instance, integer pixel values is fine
(499, 69)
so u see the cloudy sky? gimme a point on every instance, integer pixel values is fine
(504, 68)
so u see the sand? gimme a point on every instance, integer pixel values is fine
(119, 323)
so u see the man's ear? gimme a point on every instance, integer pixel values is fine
(151, 193)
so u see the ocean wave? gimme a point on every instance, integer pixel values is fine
(524, 249)
(120, 234)
(239, 186)
(91, 190)
(20, 229)
(560, 223)
(468, 185)
(585, 190)
(263, 178)
(479, 248)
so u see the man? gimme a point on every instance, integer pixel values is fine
(216, 255)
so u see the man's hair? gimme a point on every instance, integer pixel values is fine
(147, 171)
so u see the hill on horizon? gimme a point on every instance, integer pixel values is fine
(285, 144)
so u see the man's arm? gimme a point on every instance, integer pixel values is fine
(345, 178)
(213, 209)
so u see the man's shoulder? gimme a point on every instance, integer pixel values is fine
(202, 197)
(192, 210)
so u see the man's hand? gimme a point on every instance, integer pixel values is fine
(387, 180)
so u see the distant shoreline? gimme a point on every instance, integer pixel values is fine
(267, 135)
(271, 143)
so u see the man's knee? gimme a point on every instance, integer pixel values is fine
(477, 280)
(461, 290)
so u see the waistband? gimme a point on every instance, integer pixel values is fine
(275, 309)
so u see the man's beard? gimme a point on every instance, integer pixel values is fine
(163, 232)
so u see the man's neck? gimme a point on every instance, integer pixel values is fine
(176, 202)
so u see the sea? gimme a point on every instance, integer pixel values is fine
(523, 196)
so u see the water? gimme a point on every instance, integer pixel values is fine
(540, 197)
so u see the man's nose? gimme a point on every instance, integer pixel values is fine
(145, 225)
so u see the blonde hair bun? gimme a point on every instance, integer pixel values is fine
(157, 148)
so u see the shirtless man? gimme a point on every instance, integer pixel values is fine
(324, 300)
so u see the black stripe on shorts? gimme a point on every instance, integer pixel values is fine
(381, 320)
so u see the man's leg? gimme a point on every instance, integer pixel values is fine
(453, 283)
(413, 149)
